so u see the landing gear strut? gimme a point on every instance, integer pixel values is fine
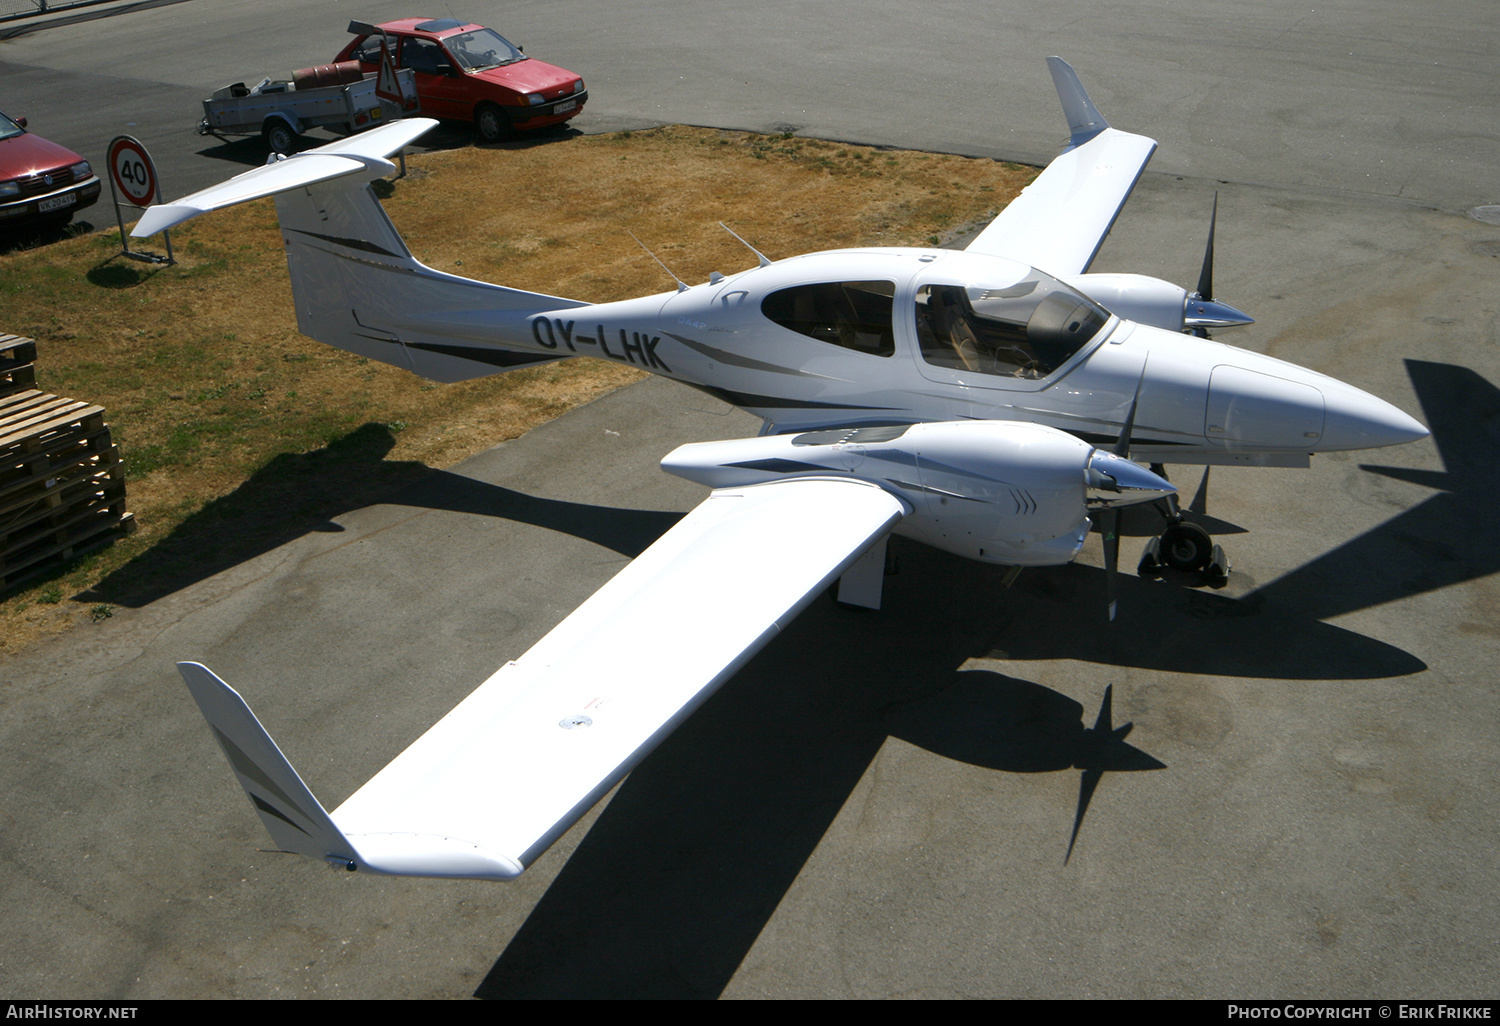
(1184, 546)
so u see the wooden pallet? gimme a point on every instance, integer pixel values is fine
(62, 486)
(17, 363)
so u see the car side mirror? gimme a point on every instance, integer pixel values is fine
(20, 121)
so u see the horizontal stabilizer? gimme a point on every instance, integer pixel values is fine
(364, 155)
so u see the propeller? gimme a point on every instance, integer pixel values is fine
(1110, 525)
(1200, 311)
(1114, 481)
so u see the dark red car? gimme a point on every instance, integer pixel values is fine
(40, 180)
(471, 73)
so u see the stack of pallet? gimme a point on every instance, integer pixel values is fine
(62, 487)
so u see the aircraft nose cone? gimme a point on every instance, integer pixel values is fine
(1358, 420)
(1115, 481)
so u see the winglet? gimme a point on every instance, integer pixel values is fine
(294, 818)
(1084, 119)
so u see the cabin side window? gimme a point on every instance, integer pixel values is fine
(855, 315)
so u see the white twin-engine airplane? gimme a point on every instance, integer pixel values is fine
(983, 402)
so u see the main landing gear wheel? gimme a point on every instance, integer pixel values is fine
(1187, 548)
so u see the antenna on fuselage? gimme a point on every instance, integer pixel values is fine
(764, 262)
(682, 286)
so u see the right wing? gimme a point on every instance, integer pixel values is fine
(495, 782)
(1060, 220)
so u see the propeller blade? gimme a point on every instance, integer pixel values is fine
(1122, 446)
(1206, 276)
(1109, 526)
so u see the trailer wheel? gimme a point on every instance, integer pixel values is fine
(279, 136)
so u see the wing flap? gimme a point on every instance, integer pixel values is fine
(515, 764)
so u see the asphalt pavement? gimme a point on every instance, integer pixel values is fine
(910, 803)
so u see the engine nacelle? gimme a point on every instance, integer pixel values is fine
(1135, 297)
(1161, 304)
(1003, 492)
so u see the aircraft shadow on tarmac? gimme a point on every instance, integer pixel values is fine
(298, 493)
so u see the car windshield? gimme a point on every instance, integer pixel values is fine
(9, 128)
(482, 49)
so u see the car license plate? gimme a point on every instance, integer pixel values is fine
(563, 108)
(55, 203)
(376, 113)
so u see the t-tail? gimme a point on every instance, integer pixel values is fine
(355, 284)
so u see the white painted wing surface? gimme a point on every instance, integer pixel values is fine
(1060, 220)
(515, 764)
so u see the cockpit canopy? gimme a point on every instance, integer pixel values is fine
(1023, 325)
(1025, 330)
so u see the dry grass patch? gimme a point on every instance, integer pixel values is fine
(238, 433)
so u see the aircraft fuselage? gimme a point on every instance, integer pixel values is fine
(888, 336)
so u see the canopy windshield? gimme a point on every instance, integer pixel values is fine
(1024, 330)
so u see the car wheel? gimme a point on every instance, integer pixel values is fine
(279, 136)
(491, 123)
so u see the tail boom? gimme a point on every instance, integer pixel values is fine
(355, 284)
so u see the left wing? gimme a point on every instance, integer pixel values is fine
(1060, 220)
(490, 786)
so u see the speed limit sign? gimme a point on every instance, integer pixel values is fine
(131, 168)
(131, 172)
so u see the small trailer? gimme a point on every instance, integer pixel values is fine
(334, 96)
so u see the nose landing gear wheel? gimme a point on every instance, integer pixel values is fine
(1186, 546)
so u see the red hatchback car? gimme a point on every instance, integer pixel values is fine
(471, 73)
(40, 180)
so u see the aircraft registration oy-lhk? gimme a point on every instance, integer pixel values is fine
(985, 402)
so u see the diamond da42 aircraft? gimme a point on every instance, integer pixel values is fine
(984, 402)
